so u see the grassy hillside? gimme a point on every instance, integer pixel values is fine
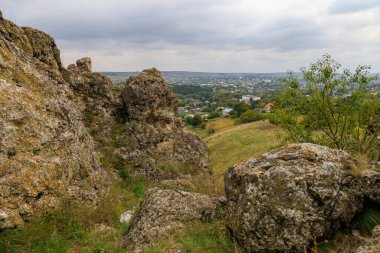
(234, 143)
(217, 124)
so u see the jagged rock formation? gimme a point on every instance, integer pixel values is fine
(46, 152)
(95, 89)
(163, 211)
(288, 198)
(159, 146)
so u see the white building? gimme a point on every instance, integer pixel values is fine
(249, 98)
(226, 112)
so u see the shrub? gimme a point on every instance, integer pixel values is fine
(196, 120)
(214, 115)
(250, 116)
(210, 130)
(335, 105)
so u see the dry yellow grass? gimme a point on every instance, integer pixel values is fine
(220, 123)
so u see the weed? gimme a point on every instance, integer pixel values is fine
(367, 220)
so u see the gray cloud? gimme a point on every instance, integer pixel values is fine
(351, 6)
(203, 35)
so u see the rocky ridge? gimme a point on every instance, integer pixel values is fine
(46, 152)
(48, 114)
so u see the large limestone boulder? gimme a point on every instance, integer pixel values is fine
(288, 198)
(46, 152)
(160, 147)
(163, 211)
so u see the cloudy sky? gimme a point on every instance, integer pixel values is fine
(206, 35)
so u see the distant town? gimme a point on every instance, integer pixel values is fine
(203, 96)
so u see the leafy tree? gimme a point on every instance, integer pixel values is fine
(196, 120)
(332, 109)
(214, 115)
(241, 107)
(250, 116)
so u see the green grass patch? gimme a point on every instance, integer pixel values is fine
(70, 228)
(199, 237)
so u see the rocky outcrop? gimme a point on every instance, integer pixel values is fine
(46, 152)
(164, 211)
(287, 199)
(95, 90)
(159, 146)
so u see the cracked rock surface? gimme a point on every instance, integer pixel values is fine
(286, 199)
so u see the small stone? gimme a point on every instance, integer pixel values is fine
(126, 216)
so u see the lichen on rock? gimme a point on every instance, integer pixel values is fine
(163, 211)
(288, 198)
(160, 147)
(46, 152)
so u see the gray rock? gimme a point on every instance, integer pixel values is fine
(84, 64)
(371, 245)
(46, 152)
(160, 147)
(163, 211)
(126, 216)
(288, 198)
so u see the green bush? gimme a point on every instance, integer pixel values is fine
(367, 220)
(214, 115)
(251, 116)
(196, 120)
(335, 103)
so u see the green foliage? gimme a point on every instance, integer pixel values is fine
(240, 108)
(214, 115)
(66, 229)
(367, 220)
(196, 120)
(139, 188)
(250, 116)
(326, 247)
(210, 131)
(333, 110)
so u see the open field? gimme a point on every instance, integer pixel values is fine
(240, 142)
(217, 124)
(232, 144)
